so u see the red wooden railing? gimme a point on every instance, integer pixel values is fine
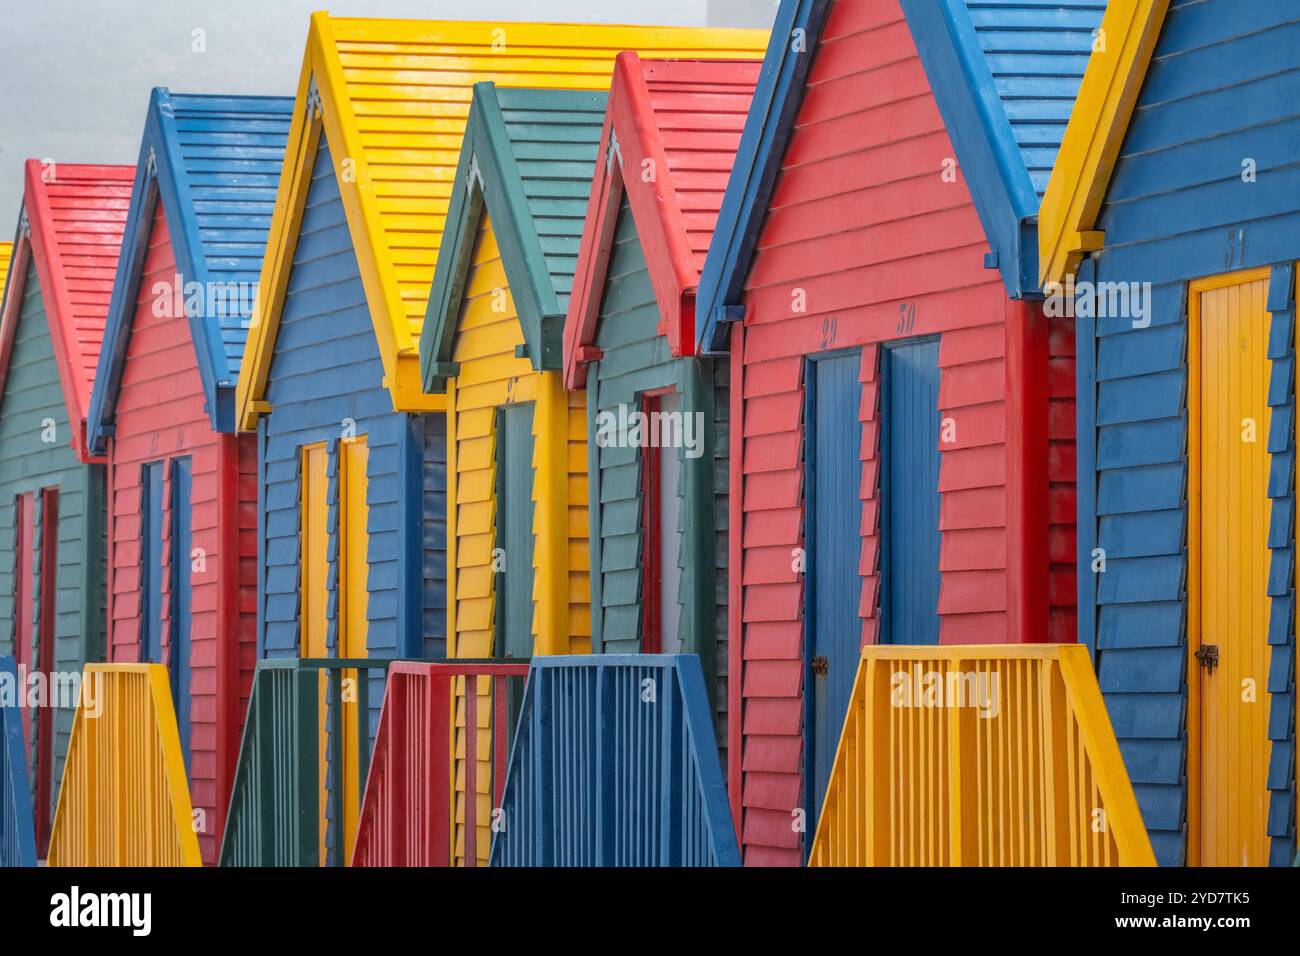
(408, 811)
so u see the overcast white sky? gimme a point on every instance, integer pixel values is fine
(75, 75)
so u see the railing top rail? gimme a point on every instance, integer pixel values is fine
(969, 652)
(611, 660)
(462, 667)
(323, 663)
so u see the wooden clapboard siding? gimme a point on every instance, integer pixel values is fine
(1223, 87)
(326, 377)
(32, 403)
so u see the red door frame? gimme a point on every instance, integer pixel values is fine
(45, 661)
(24, 610)
(651, 519)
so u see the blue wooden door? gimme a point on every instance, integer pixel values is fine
(833, 585)
(151, 562)
(910, 509)
(179, 635)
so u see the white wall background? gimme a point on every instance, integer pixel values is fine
(75, 75)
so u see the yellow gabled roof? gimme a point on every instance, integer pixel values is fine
(6, 253)
(1067, 217)
(394, 98)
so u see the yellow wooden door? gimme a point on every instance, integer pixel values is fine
(313, 593)
(353, 580)
(1229, 606)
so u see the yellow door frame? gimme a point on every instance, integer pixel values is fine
(1195, 289)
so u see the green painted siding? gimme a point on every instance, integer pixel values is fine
(31, 404)
(636, 359)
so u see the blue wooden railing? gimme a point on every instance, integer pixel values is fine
(615, 763)
(17, 826)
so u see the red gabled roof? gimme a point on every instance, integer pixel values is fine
(672, 128)
(76, 215)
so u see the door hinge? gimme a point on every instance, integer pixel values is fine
(820, 666)
(1208, 656)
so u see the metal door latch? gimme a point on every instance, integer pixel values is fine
(820, 666)
(1208, 656)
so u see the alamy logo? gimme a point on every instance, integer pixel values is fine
(629, 428)
(215, 300)
(1099, 300)
(131, 910)
(977, 690)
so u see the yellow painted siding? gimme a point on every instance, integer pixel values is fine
(491, 376)
(395, 98)
(6, 253)
(1228, 739)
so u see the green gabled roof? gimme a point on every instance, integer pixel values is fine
(529, 156)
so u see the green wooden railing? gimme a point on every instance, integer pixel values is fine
(275, 816)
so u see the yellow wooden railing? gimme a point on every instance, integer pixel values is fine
(124, 799)
(979, 756)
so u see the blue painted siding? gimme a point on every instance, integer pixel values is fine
(1224, 87)
(326, 375)
(911, 540)
(230, 150)
(1037, 54)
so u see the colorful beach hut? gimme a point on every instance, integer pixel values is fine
(182, 494)
(351, 449)
(657, 416)
(517, 573)
(902, 458)
(51, 488)
(516, 440)
(1172, 227)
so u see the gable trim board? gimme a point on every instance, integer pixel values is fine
(396, 249)
(1108, 216)
(489, 183)
(242, 132)
(758, 160)
(38, 241)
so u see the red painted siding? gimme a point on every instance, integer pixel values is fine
(863, 229)
(161, 416)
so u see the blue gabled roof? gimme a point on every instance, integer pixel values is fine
(1005, 74)
(214, 161)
